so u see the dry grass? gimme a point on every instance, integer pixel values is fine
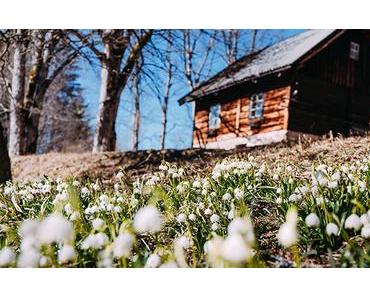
(105, 165)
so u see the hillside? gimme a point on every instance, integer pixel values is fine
(105, 165)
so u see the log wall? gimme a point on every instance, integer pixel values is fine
(235, 120)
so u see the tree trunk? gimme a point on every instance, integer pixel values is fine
(5, 173)
(35, 92)
(136, 124)
(105, 134)
(16, 125)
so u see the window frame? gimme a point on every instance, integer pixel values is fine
(354, 51)
(256, 106)
(215, 110)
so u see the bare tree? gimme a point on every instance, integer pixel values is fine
(136, 122)
(169, 67)
(39, 56)
(17, 124)
(121, 52)
(5, 173)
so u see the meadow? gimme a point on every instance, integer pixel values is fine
(242, 212)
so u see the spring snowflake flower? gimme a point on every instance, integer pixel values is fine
(333, 184)
(295, 197)
(365, 219)
(66, 254)
(98, 224)
(208, 212)
(234, 249)
(119, 175)
(231, 214)
(215, 226)
(197, 184)
(238, 193)
(170, 264)
(148, 219)
(332, 229)
(184, 242)
(214, 218)
(153, 261)
(29, 258)
(242, 227)
(312, 220)
(227, 197)
(287, 234)
(28, 228)
(181, 218)
(365, 231)
(192, 217)
(279, 191)
(95, 241)
(122, 245)
(55, 228)
(7, 256)
(353, 222)
(75, 216)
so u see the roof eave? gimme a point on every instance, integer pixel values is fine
(190, 98)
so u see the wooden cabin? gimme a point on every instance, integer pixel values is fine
(312, 83)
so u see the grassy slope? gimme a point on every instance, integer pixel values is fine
(105, 165)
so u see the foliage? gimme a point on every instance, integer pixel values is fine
(170, 219)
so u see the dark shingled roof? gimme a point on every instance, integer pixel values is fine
(275, 58)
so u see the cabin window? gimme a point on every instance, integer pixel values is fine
(256, 106)
(214, 116)
(354, 52)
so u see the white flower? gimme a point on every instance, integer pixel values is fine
(119, 175)
(365, 231)
(75, 216)
(122, 245)
(29, 258)
(184, 242)
(28, 228)
(295, 197)
(98, 224)
(66, 254)
(95, 241)
(231, 214)
(197, 184)
(214, 218)
(238, 193)
(148, 219)
(7, 257)
(242, 227)
(153, 261)
(365, 219)
(117, 209)
(226, 197)
(55, 228)
(208, 212)
(170, 264)
(353, 222)
(287, 234)
(332, 229)
(312, 220)
(275, 177)
(279, 191)
(215, 226)
(181, 218)
(279, 200)
(234, 249)
(192, 217)
(333, 184)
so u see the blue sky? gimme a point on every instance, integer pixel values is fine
(179, 129)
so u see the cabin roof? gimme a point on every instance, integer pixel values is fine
(275, 58)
